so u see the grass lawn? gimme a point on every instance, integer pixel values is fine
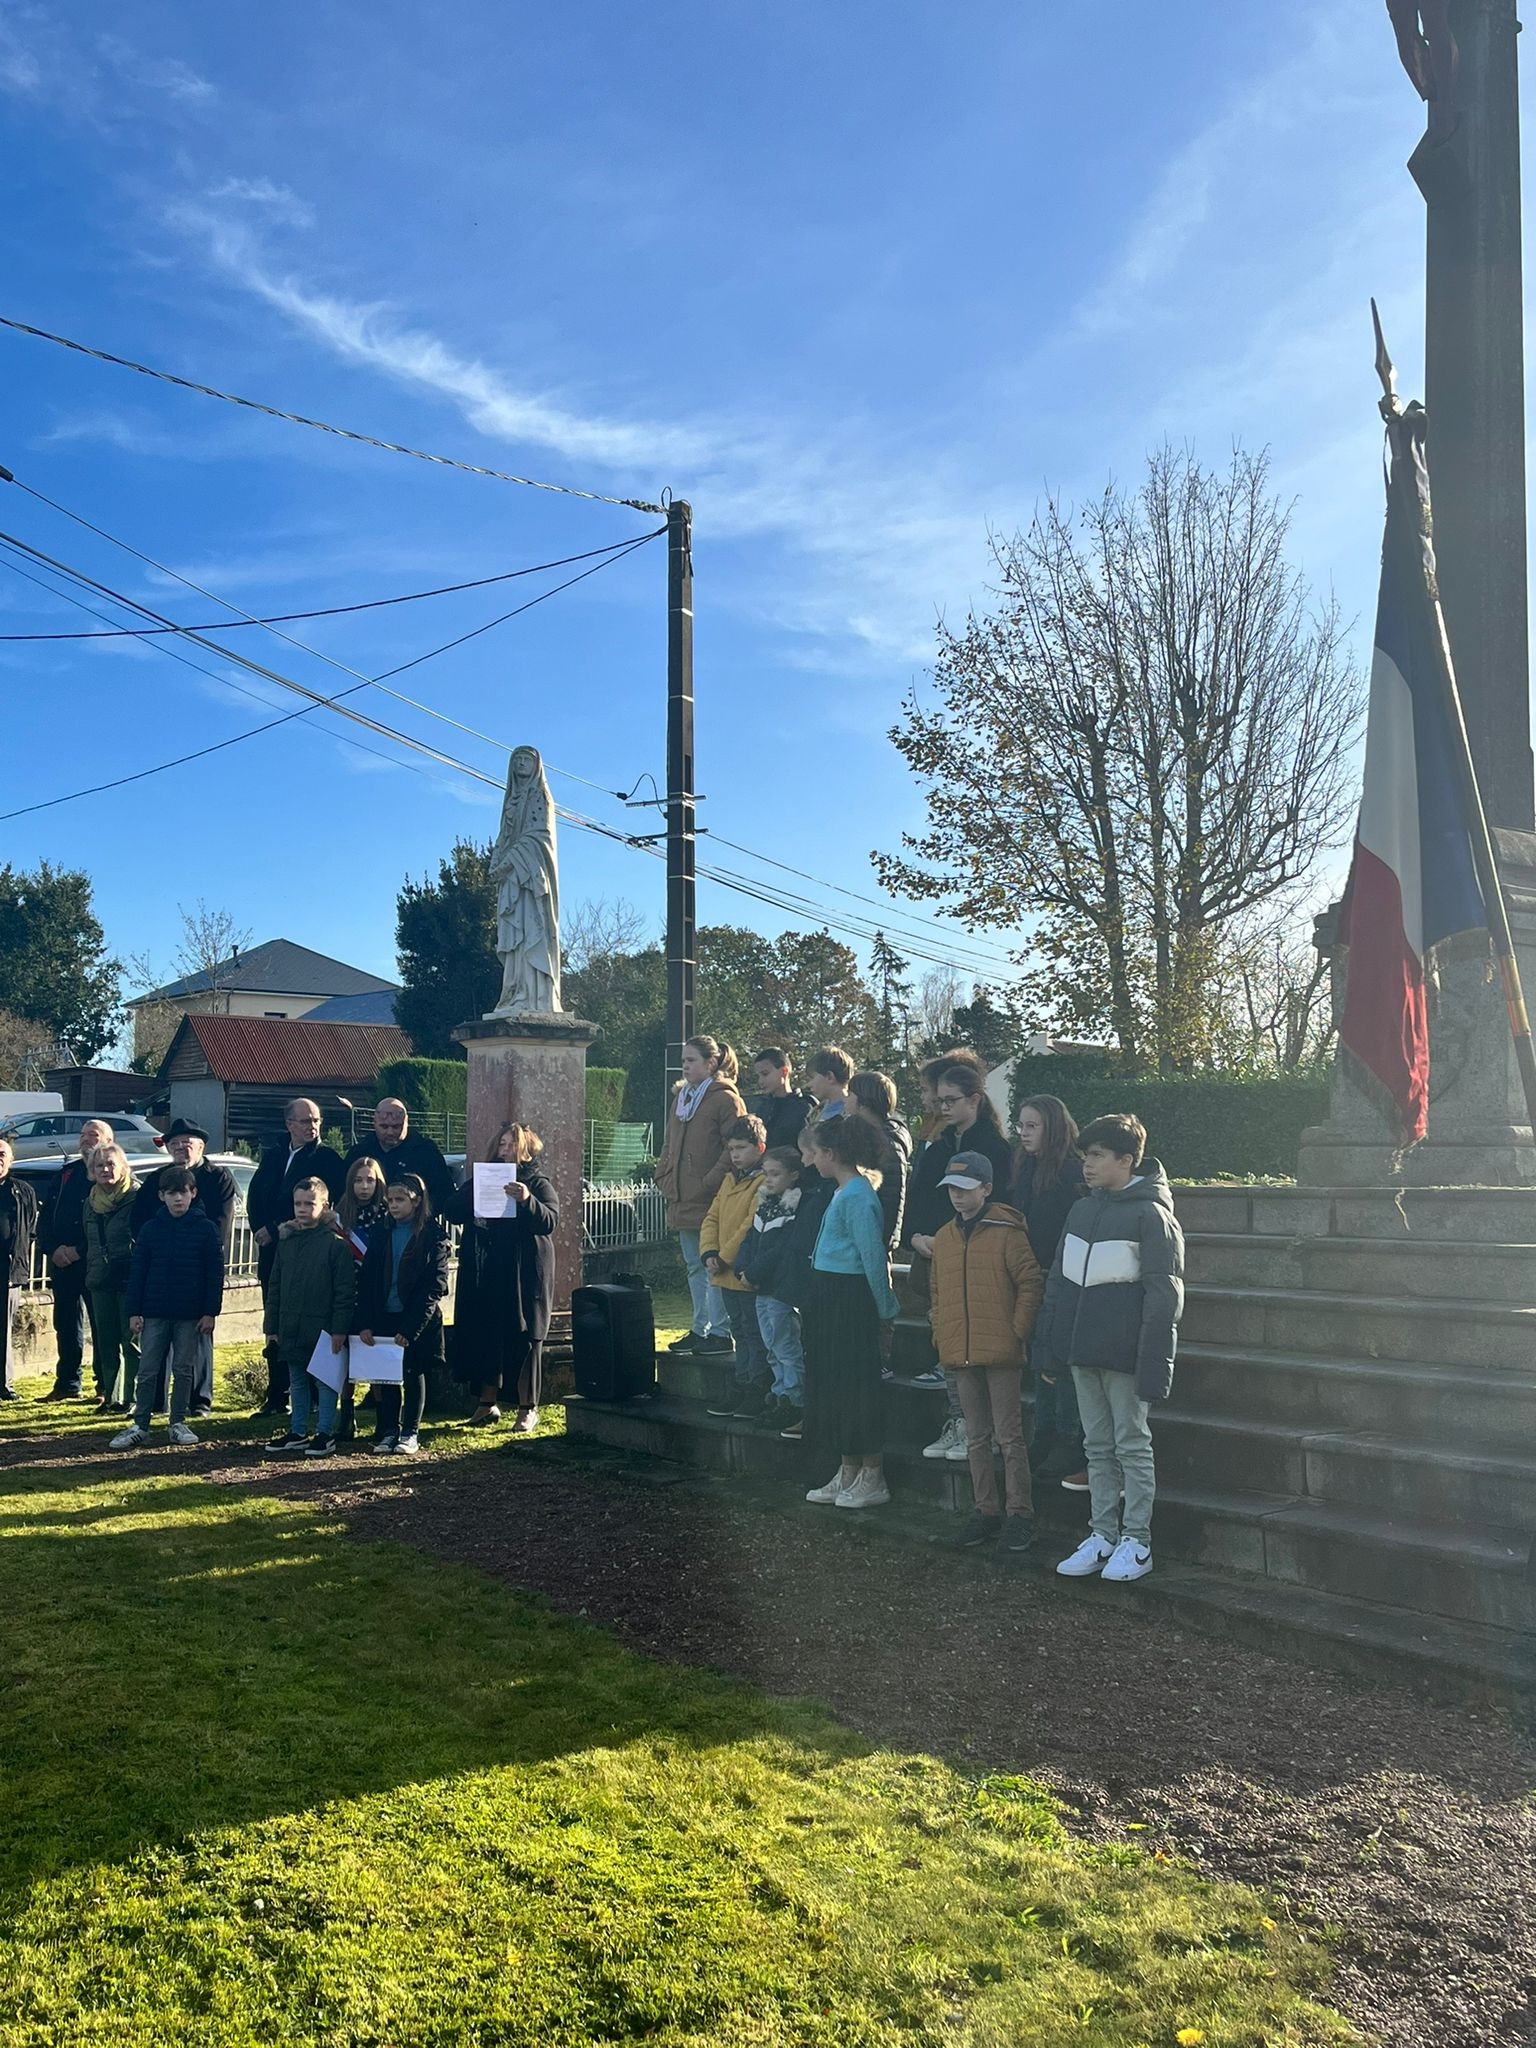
(264, 1783)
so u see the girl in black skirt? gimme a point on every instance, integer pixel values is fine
(849, 1301)
(402, 1282)
(507, 1283)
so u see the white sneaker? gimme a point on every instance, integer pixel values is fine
(944, 1443)
(1090, 1557)
(180, 1434)
(960, 1446)
(826, 1496)
(869, 1490)
(407, 1446)
(129, 1439)
(1130, 1561)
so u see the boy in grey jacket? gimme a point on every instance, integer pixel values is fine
(1111, 1315)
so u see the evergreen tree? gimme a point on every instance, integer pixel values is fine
(54, 965)
(445, 940)
(893, 994)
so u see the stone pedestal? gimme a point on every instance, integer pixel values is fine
(1479, 1134)
(532, 1070)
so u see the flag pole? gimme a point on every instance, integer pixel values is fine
(1401, 424)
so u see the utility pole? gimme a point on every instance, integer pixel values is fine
(681, 886)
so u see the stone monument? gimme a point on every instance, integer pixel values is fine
(1462, 58)
(527, 1057)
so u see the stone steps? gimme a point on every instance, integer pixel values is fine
(1427, 1332)
(1457, 1215)
(1433, 1269)
(1230, 1494)
(1443, 1404)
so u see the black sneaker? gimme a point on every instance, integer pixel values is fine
(322, 1447)
(1017, 1536)
(752, 1406)
(713, 1347)
(287, 1444)
(684, 1346)
(200, 1411)
(975, 1530)
(791, 1422)
(723, 1407)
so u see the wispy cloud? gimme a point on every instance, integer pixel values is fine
(167, 75)
(276, 201)
(104, 81)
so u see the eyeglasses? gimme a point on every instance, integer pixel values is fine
(948, 1101)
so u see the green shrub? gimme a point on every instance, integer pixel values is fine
(422, 1085)
(1201, 1126)
(605, 1094)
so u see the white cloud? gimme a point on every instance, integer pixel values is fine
(169, 76)
(278, 202)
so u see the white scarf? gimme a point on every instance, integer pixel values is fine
(688, 1099)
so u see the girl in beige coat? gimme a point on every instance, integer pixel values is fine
(692, 1165)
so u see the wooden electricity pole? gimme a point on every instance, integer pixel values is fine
(681, 886)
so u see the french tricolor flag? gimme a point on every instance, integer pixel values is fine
(1413, 881)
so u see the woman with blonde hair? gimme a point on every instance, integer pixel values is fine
(507, 1282)
(108, 1217)
(692, 1165)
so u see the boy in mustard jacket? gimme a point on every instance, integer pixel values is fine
(721, 1236)
(985, 1290)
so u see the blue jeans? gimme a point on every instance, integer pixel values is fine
(163, 1340)
(751, 1352)
(779, 1323)
(709, 1319)
(300, 1389)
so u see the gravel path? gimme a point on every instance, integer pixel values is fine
(1406, 1826)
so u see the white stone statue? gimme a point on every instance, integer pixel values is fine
(527, 876)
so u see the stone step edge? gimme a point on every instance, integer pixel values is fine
(1440, 1306)
(1492, 1547)
(1454, 1660)
(1247, 1240)
(1248, 1357)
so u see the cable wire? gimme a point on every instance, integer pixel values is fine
(330, 611)
(298, 419)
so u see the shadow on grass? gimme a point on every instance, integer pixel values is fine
(179, 1657)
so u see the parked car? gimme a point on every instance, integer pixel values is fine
(42, 1174)
(55, 1134)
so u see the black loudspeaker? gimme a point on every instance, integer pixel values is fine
(613, 1340)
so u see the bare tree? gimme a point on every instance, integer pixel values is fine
(210, 946)
(597, 929)
(25, 1046)
(939, 994)
(1142, 745)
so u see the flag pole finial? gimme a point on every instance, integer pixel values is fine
(1391, 404)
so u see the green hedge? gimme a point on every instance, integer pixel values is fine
(605, 1094)
(438, 1085)
(1201, 1127)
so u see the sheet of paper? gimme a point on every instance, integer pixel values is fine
(327, 1366)
(491, 1197)
(377, 1361)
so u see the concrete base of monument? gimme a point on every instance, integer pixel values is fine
(1490, 1156)
(531, 1070)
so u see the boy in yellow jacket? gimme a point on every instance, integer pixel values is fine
(985, 1289)
(720, 1238)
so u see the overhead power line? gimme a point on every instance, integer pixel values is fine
(299, 419)
(329, 611)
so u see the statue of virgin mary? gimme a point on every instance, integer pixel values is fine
(527, 877)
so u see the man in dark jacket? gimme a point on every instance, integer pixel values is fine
(18, 1223)
(399, 1149)
(61, 1233)
(781, 1108)
(1111, 1315)
(269, 1205)
(217, 1193)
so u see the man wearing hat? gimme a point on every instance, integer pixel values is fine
(187, 1144)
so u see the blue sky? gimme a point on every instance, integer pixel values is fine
(860, 281)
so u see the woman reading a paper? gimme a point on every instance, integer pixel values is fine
(506, 1276)
(400, 1288)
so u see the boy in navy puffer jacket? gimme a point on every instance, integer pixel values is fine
(764, 1262)
(175, 1290)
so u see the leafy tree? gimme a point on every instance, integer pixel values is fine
(445, 940)
(988, 1027)
(818, 996)
(1142, 745)
(54, 964)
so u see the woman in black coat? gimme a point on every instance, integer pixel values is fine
(873, 1097)
(1049, 1180)
(401, 1286)
(507, 1283)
